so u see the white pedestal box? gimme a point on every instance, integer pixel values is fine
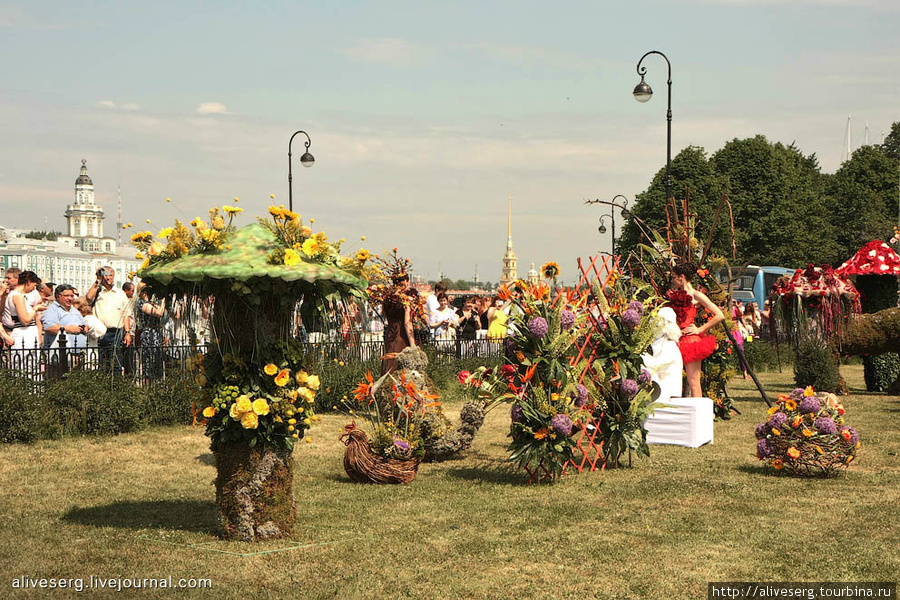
(689, 422)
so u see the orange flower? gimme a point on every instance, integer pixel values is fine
(282, 378)
(777, 463)
(808, 432)
(797, 421)
(503, 293)
(270, 369)
(846, 435)
(529, 373)
(808, 392)
(363, 389)
(776, 431)
(541, 433)
(783, 398)
(520, 356)
(793, 453)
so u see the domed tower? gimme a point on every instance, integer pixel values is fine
(533, 276)
(84, 219)
(510, 270)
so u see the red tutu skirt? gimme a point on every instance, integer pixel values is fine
(696, 347)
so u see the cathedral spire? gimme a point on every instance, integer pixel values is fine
(509, 272)
(509, 243)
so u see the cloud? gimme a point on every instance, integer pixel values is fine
(114, 106)
(877, 4)
(388, 51)
(212, 108)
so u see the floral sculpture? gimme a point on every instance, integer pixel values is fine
(257, 392)
(538, 379)
(805, 435)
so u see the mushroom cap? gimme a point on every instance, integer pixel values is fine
(875, 258)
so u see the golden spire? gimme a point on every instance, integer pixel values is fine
(509, 243)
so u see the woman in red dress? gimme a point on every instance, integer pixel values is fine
(695, 343)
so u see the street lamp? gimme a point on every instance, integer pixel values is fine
(612, 215)
(642, 93)
(306, 160)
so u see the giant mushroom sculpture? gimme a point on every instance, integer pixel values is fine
(258, 395)
(876, 267)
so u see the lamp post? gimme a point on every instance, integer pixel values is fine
(306, 160)
(612, 216)
(642, 93)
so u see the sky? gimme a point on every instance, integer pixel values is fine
(423, 116)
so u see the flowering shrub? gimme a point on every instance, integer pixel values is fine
(625, 394)
(538, 379)
(395, 409)
(805, 434)
(273, 405)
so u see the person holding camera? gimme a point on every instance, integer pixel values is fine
(110, 305)
(62, 316)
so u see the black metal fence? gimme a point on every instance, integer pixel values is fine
(148, 363)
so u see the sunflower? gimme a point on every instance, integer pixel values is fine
(550, 270)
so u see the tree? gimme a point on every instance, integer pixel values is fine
(779, 203)
(863, 198)
(691, 173)
(891, 144)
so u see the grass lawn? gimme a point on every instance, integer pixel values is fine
(141, 506)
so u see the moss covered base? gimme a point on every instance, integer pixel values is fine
(881, 371)
(254, 492)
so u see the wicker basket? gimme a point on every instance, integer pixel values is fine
(818, 458)
(364, 466)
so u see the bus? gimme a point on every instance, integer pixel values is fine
(755, 282)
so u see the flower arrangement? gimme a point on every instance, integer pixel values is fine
(625, 327)
(539, 379)
(805, 434)
(389, 286)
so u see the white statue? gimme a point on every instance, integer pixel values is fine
(665, 364)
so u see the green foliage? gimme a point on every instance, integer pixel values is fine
(763, 355)
(816, 365)
(891, 144)
(881, 371)
(19, 409)
(170, 401)
(93, 403)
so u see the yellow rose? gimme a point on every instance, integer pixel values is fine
(244, 403)
(282, 378)
(209, 412)
(301, 377)
(270, 369)
(261, 407)
(308, 394)
(235, 412)
(312, 382)
(249, 421)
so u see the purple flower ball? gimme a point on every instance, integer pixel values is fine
(854, 435)
(537, 327)
(797, 394)
(636, 305)
(778, 420)
(763, 449)
(561, 424)
(810, 404)
(826, 426)
(517, 414)
(762, 430)
(567, 319)
(631, 317)
(581, 393)
(629, 387)
(644, 377)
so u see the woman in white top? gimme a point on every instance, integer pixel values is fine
(24, 308)
(443, 321)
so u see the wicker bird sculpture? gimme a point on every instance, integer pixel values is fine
(364, 466)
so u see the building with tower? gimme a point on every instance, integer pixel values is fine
(84, 219)
(510, 271)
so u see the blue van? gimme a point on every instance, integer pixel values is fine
(755, 283)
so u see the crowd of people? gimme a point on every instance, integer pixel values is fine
(111, 321)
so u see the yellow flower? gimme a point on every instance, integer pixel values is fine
(270, 369)
(232, 210)
(292, 421)
(218, 222)
(301, 377)
(272, 196)
(362, 237)
(808, 432)
(778, 464)
(138, 256)
(776, 431)
(291, 257)
(308, 440)
(362, 255)
(282, 378)
(790, 404)
(154, 249)
(275, 211)
(165, 232)
(261, 407)
(819, 450)
(235, 412)
(772, 410)
(144, 264)
(249, 421)
(209, 412)
(308, 394)
(168, 199)
(312, 382)
(808, 392)
(199, 224)
(311, 247)
(244, 403)
(550, 270)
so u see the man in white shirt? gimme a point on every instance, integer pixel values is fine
(111, 307)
